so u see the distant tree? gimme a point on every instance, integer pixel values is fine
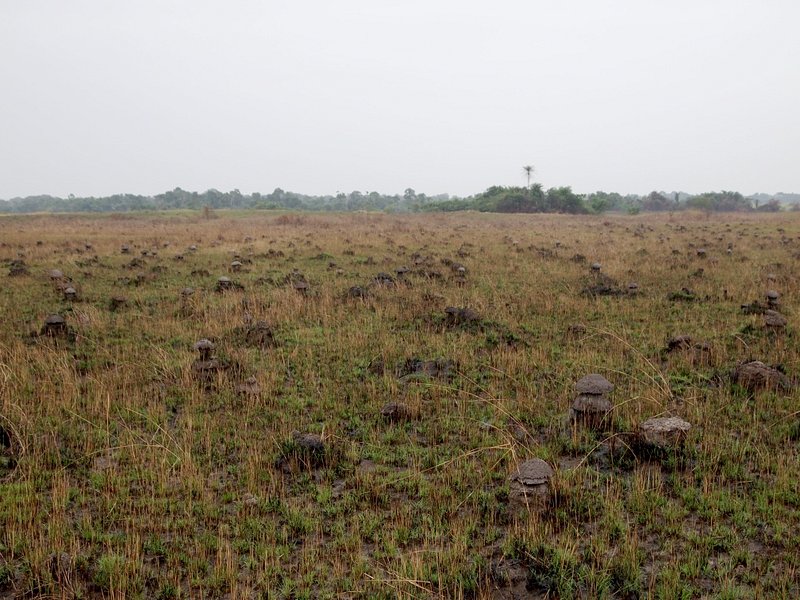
(513, 202)
(600, 202)
(355, 200)
(723, 201)
(277, 195)
(237, 199)
(656, 201)
(511, 199)
(564, 200)
(771, 206)
(537, 198)
(528, 172)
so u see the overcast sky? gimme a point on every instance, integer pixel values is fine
(105, 96)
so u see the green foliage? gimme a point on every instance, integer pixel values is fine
(720, 201)
(564, 200)
(600, 202)
(554, 570)
(109, 571)
(514, 199)
(215, 199)
(520, 200)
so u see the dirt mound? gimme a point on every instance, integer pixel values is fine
(754, 375)
(55, 326)
(256, 335)
(18, 268)
(774, 320)
(226, 284)
(601, 285)
(529, 484)
(663, 432)
(460, 316)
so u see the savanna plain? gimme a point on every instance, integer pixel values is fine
(266, 405)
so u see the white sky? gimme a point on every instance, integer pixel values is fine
(106, 96)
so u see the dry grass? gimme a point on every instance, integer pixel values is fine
(125, 477)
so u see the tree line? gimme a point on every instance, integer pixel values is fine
(532, 198)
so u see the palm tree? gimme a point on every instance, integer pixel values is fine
(528, 171)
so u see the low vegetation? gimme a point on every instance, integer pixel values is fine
(504, 199)
(417, 406)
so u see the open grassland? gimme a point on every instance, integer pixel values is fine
(129, 470)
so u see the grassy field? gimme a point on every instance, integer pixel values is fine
(129, 470)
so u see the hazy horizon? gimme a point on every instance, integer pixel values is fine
(102, 98)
